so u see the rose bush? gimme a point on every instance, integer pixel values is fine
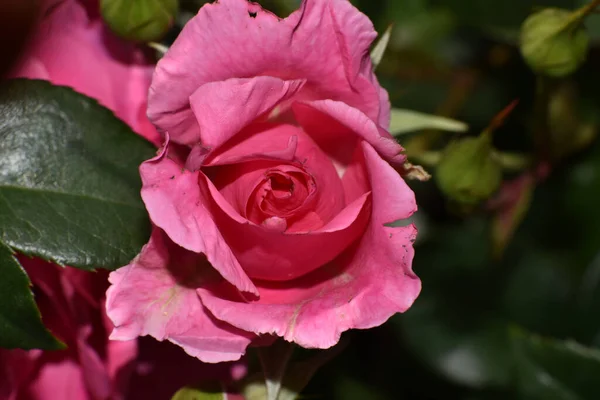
(273, 192)
(71, 46)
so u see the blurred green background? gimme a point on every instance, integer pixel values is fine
(525, 325)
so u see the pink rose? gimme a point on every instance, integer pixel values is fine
(71, 46)
(272, 194)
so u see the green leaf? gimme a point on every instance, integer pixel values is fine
(274, 360)
(554, 369)
(20, 322)
(404, 121)
(379, 49)
(205, 391)
(69, 181)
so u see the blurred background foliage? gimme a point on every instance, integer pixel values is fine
(501, 315)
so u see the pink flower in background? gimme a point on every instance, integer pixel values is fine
(72, 47)
(272, 195)
(92, 367)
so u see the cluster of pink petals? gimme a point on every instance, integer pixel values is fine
(92, 367)
(272, 195)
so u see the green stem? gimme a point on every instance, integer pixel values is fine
(274, 360)
(576, 18)
(588, 9)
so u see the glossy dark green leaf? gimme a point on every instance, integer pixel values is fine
(20, 322)
(69, 181)
(555, 370)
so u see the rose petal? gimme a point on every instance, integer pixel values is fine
(63, 379)
(326, 43)
(17, 367)
(120, 356)
(155, 295)
(172, 198)
(327, 121)
(385, 111)
(223, 108)
(395, 200)
(93, 369)
(361, 289)
(355, 180)
(259, 142)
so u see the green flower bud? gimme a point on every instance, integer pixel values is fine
(469, 171)
(139, 20)
(554, 41)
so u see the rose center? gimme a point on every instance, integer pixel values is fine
(284, 193)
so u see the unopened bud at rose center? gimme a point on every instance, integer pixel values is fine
(282, 194)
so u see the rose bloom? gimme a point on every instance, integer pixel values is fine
(273, 192)
(71, 46)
